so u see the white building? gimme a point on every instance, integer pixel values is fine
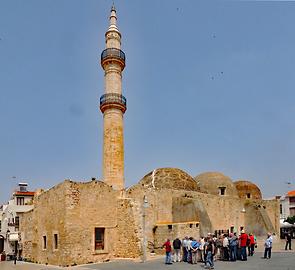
(287, 205)
(21, 201)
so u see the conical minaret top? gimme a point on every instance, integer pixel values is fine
(113, 35)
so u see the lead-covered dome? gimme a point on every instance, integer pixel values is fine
(216, 183)
(171, 178)
(248, 190)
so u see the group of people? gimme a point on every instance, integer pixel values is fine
(208, 249)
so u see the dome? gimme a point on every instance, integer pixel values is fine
(171, 178)
(247, 189)
(215, 183)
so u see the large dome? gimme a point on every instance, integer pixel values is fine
(215, 183)
(248, 190)
(172, 178)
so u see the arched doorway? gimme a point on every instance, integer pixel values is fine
(1, 244)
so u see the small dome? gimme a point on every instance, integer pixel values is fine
(215, 183)
(171, 178)
(247, 189)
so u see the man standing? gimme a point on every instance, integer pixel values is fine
(243, 243)
(168, 249)
(176, 247)
(288, 241)
(268, 246)
(184, 249)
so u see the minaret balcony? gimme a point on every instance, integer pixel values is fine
(113, 100)
(113, 55)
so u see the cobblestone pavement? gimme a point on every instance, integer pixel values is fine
(279, 261)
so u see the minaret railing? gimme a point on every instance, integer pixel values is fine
(113, 54)
(113, 100)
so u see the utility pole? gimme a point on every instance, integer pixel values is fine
(144, 242)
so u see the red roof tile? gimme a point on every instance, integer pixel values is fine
(291, 193)
(24, 193)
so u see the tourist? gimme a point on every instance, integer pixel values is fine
(233, 243)
(168, 249)
(218, 250)
(205, 248)
(209, 255)
(252, 244)
(268, 246)
(201, 249)
(189, 250)
(184, 249)
(243, 243)
(176, 248)
(225, 244)
(194, 249)
(288, 241)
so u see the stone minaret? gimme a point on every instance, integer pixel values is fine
(113, 106)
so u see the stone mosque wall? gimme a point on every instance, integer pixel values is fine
(176, 207)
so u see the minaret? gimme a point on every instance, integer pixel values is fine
(113, 106)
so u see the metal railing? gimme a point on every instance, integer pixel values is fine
(114, 53)
(113, 98)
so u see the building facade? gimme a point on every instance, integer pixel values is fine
(84, 222)
(287, 205)
(21, 202)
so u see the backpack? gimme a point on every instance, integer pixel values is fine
(195, 244)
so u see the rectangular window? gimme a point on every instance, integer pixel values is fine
(222, 190)
(20, 200)
(292, 199)
(44, 242)
(281, 209)
(16, 221)
(169, 227)
(99, 238)
(55, 240)
(292, 211)
(248, 195)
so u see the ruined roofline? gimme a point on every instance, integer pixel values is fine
(71, 181)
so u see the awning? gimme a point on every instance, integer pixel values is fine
(13, 237)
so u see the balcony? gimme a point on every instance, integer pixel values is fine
(113, 55)
(113, 100)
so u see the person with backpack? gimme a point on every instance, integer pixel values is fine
(176, 248)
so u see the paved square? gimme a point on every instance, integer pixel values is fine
(279, 261)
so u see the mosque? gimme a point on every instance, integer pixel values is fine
(84, 222)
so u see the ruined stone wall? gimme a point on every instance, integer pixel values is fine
(90, 205)
(46, 219)
(72, 211)
(26, 229)
(222, 212)
(129, 228)
(272, 208)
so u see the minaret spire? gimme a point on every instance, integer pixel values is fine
(113, 19)
(113, 106)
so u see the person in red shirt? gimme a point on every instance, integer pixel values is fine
(243, 244)
(168, 250)
(251, 244)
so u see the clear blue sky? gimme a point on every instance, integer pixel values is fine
(209, 84)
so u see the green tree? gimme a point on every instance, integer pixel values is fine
(291, 220)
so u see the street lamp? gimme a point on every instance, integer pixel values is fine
(145, 205)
